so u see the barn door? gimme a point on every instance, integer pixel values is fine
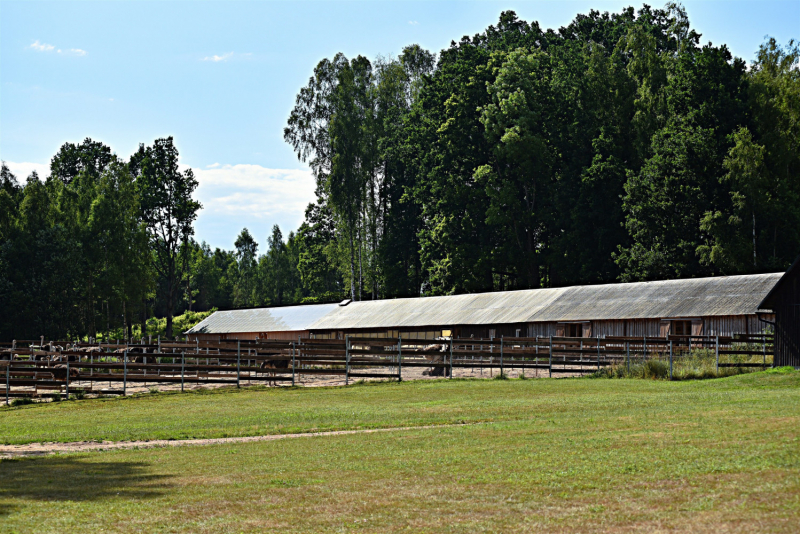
(663, 329)
(587, 329)
(697, 327)
(559, 330)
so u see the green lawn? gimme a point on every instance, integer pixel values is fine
(561, 455)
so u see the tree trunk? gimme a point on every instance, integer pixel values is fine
(352, 268)
(144, 317)
(170, 297)
(360, 265)
(754, 238)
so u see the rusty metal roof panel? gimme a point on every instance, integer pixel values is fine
(282, 319)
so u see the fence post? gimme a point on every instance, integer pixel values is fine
(67, 388)
(8, 377)
(125, 373)
(716, 350)
(550, 365)
(670, 359)
(501, 356)
(238, 361)
(451, 355)
(399, 358)
(347, 360)
(598, 354)
(293, 363)
(183, 365)
(628, 356)
(644, 349)
(764, 348)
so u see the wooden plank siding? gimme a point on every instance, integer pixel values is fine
(712, 326)
(784, 301)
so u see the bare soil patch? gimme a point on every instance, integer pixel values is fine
(42, 449)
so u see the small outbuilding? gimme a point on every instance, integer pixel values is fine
(783, 301)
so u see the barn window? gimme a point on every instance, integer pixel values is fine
(681, 328)
(574, 330)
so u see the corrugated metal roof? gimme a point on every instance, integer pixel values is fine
(724, 295)
(697, 297)
(283, 319)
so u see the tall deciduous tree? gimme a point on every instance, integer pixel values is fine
(246, 250)
(168, 209)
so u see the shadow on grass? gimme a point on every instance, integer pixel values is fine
(70, 478)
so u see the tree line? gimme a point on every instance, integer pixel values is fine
(617, 148)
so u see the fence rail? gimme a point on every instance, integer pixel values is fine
(35, 369)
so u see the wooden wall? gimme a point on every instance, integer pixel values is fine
(251, 336)
(786, 305)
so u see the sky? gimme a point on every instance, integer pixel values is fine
(221, 78)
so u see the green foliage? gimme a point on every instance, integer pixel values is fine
(181, 323)
(616, 148)
(697, 364)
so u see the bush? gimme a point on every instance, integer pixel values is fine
(696, 364)
(22, 401)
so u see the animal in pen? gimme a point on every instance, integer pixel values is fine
(274, 364)
(438, 370)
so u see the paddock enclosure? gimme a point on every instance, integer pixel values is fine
(59, 369)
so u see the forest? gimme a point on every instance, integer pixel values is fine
(617, 148)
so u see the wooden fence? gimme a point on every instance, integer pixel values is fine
(34, 369)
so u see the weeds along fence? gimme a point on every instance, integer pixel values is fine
(58, 369)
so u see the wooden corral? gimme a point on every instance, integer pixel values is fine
(61, 367)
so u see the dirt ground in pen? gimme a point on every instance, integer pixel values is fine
(102, 387)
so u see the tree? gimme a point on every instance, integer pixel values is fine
(168, 210)
(244, 289)
(91, 157)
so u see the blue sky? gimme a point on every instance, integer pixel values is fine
(221, 78)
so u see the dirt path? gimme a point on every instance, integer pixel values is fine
(42, 449)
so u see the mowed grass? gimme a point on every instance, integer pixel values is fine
(558, 455)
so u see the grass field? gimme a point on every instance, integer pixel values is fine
(561, 455)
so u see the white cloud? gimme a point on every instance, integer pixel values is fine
(42, 47)
(413, 22)
(215, 58)
(252, 196)
(24, 169)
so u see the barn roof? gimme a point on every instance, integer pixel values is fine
(282, 319)
(695, 297)
(769, 300)
(724, 295)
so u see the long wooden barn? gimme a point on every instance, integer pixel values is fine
(701, 306)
